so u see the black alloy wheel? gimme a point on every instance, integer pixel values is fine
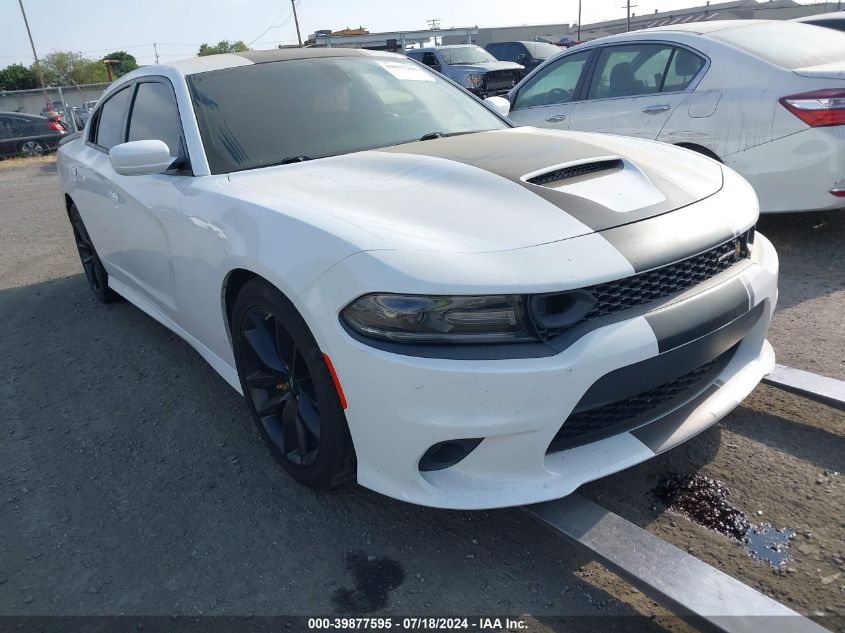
(289, 389)
(95, 273)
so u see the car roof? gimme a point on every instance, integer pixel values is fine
(703, 28)
(207, 63)
(823, 17)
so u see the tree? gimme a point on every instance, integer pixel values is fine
(66, 68)
(126, 63)
(18, 77)
(224, 46)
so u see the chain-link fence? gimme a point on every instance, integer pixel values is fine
(32, 122)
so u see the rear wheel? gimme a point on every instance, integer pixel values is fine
(31, 149)
(95, 273)
(288, 388)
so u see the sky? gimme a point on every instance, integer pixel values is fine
(97, 27)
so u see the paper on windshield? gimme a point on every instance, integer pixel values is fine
(406, 71)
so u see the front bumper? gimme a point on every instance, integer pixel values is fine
(399, 406)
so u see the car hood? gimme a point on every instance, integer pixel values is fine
(487, 66)
(472, 193)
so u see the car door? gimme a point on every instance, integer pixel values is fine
(549, 96)
(147, 206)
(90, 172)
(634, 88)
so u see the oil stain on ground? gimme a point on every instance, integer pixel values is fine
(374, 578)
(704, 500)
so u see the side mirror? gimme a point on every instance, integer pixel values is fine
(139, 158)
(499, 104)
(520, 58)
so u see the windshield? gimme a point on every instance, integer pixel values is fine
(787, 44)
(465, 55)
(541, 50)
(264, 114)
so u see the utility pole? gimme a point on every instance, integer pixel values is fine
(578, 37)
(155, 48)
(630, 6)
(296, 21)
(35, 55)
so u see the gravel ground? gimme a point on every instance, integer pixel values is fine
(133, 482)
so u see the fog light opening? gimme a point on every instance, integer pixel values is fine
(446, 454)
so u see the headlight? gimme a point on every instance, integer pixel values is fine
(473, 80)
(440, 319)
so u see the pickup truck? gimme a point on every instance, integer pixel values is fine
(471, 67)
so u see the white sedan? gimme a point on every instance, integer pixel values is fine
(411, 291)
(767, 98)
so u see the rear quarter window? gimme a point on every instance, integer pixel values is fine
(789, 45)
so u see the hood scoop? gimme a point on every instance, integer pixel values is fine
(613, 182)
(578, 171)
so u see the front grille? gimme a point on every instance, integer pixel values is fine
(584, 169)
(630, 292)
(624, 415)
(499, 80)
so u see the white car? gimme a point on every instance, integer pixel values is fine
(766, 98)
(408, 289)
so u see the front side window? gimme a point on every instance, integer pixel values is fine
(155, 116)
(430, 59)
(276, 112)
(630, 70)
(111, 120)
(555, 84)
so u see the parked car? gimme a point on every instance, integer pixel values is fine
(528, 54)
(28, 135)
(471, 67)
(766, 98)
(835, 20)
(408, 289)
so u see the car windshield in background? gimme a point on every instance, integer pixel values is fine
(286, 111)
(789, 45)
(541, 50)
(466, 55)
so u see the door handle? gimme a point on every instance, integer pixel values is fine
(114, 196)
(654, 109)
(556, 118)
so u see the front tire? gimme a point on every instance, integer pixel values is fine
(288, 388)
(95, 272)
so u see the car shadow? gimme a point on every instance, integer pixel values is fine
(795, 235)
(130, 460)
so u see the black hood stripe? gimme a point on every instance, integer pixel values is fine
(512, 156)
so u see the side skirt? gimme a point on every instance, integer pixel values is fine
(226, 371)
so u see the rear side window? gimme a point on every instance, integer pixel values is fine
(155, 116)
(630, 70)
(683, 68)
(786, 44)
(111, 121)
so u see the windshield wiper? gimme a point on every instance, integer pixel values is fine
(289, 160)
(431, 136)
